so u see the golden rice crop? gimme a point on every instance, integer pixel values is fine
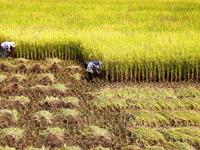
(154, 40)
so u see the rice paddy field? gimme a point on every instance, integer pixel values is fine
(47, 105)
(140, 40)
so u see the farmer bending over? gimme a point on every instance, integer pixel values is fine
(7, 49)
(93, 69)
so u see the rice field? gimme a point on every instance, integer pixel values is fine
(154, 40)
(44, 106)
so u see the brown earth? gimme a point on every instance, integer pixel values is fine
(81, 89)
(12, 87)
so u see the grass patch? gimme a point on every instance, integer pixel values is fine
(21, 99)
(71, 100)
(95, 131)
(17, 133)
(15, 114)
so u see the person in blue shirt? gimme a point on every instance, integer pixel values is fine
(92, 68)
(7, 49)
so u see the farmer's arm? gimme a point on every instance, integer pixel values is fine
(96, 68)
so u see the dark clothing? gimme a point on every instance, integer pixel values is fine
(3, 53)
(89, 76)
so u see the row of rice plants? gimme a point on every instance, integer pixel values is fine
(153, 70)
(150, 69)
(67, 51)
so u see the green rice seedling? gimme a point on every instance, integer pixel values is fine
(59, 86)
(69, 112)
(179, 146)
(44, 114)
(146, 136)
(15, 114)
(65, 147)
(53, 130)
(33, 148)
(100, 148)
(7, 148)
(16, 133)
(2, 77)
(148, 118)
(95, 131)
(21, 99)
(183, 134)
(71, 100)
